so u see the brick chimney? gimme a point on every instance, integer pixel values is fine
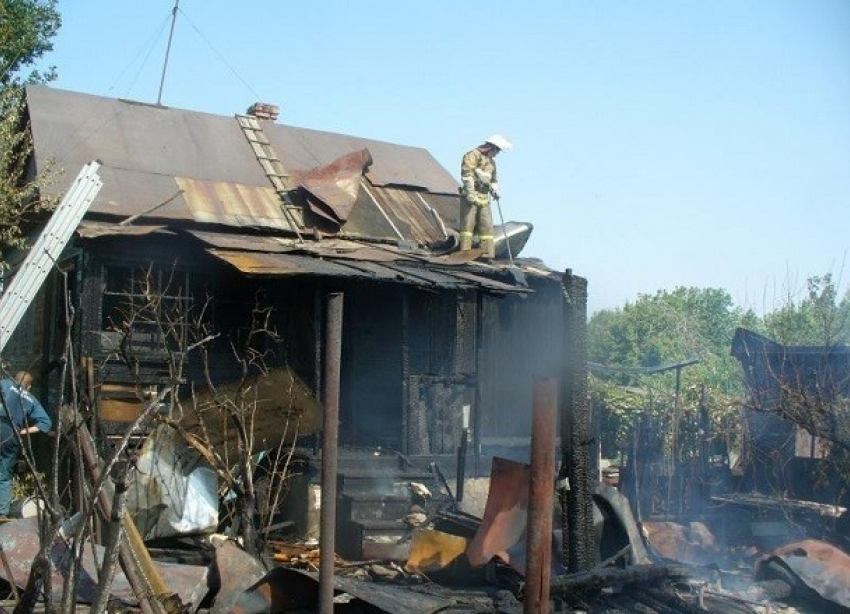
(263, 110)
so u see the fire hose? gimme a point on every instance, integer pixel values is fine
(504, 229)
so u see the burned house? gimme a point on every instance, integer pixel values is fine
(224, 218)
(797, 412)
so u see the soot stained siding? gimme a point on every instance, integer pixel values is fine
(522, 339)
(440, 379)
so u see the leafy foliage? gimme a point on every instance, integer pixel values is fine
(26, 30)
(821, 317)
(18, 198)
(666, 328)
(671, 327)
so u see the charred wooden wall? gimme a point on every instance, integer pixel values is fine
(215, 295)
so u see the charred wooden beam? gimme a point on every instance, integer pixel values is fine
(599, 578)
(579, 550)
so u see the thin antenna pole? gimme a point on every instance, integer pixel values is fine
(167, 51)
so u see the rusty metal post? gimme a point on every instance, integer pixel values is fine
(541, 497)
(330, 436)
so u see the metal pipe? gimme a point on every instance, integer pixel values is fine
(541, 496)
(330, 436)
(167, 51)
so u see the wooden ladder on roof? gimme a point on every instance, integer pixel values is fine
(273, 168)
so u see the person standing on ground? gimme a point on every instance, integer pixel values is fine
(19, 411)
(480, 182)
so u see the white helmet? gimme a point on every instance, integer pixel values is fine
(497, 140)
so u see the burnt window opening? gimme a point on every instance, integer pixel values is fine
(146, 311)
(244, 321)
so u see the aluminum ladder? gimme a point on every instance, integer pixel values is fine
(47, 249)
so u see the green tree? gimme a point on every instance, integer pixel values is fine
(19, 198)
(670, 327)
(821, 317)
(26, 30)
(666, 328)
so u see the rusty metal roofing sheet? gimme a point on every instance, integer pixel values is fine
(262, 263)
(251, 243)
(20, 542)
(375, 261)
(233, 204)
(339, 249)
(332, 189)
(393, 164)
(407, 213)
(405, 272)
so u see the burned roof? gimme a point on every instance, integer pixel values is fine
(193, 167)
(265, 198)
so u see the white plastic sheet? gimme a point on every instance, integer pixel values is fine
(172, 489)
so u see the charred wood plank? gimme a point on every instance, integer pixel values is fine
(599, 578)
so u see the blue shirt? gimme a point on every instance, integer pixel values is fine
(21, 408)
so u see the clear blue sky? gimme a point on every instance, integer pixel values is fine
(657, 144)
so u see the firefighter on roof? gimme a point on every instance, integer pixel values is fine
(480, 183)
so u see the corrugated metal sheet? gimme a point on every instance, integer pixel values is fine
(262, 263)
(233, 204)
(408, 213)
(339, 249)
